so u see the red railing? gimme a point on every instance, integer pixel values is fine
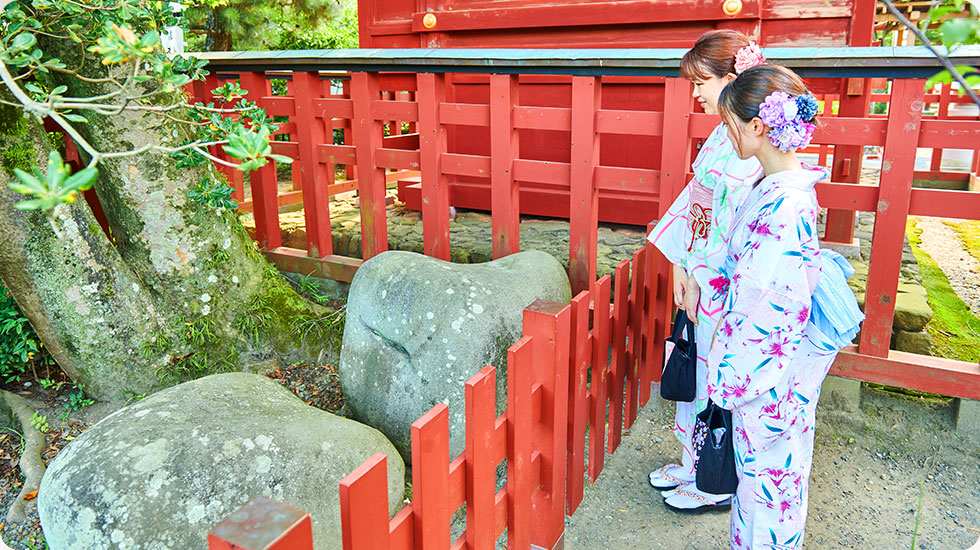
(552, 401)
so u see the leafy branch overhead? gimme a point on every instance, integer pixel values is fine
(128, 67)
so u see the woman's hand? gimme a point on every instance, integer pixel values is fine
(692, 295)
(680, 283)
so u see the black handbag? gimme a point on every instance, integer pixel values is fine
(716, 457)
(679, 379)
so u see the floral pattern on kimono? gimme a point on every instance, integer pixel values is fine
(768, 360)
(728, 179)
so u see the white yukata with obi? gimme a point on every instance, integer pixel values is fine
(694, 235)
(768, 359)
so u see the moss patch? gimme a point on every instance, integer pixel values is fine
(969, 233)
(955, 331)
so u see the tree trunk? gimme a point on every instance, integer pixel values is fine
(219, 38)
(182, 293)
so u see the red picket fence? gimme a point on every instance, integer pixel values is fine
(572, 390)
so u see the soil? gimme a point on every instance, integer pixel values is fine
(868, 468)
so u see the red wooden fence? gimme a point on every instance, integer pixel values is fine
(568, 381)
(424, 103)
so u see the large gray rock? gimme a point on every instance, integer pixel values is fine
(417, 328)
(159, 474)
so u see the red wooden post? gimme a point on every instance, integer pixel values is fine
(480, 470)
(584, 214)
(264, 524)
(364, 506)
(310, 134)
(430, 478)
(855, 97)
(505, 196)
(633, 352)
(520, 479)
(641, 333)
(898, 164)
(371, 178)
(577, 402)
(654, 344)
(936, 162)
(435, 184)
(548, 324)
(265, 188)
(673, 172)
(620, 316)
(600, 381)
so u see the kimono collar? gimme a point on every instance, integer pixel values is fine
(803, 179)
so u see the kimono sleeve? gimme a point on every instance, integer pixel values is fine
(672, 234)
(767, 307)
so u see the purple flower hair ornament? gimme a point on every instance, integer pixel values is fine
(789, 119)
(747, 57)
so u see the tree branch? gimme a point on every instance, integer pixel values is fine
(946, 63)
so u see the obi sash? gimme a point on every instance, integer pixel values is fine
(699, 213)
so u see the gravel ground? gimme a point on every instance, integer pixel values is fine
(864, 490)
(962, 269)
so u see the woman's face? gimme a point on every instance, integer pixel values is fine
(706, 91)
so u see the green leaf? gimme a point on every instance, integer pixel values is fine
(281, 158)
(81, 180)
(236, 152)
(23, 41)
(150, 39)
(75, 118)
(30, 181)
(955, 31)
(57, 171)
(59, 90)
(33, 204)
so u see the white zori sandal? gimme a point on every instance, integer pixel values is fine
(690, 500)
(668, 477)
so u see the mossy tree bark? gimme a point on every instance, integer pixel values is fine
(180, 293)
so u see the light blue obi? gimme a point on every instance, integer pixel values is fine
(834, 308)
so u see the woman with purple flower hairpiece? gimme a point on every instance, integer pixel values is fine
(771, 352)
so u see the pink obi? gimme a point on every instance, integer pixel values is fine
(699, 214)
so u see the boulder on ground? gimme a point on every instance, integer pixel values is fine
(417, 328)
(161, 473)
(912, 310)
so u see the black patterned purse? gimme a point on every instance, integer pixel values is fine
(715, 451)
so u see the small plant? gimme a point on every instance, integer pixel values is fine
(40, 423)
(309, 287)
(53, 385)
(133, 397)
(76, 401)
(20, 347)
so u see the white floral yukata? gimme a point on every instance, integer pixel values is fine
(694, 235)
(769, 360)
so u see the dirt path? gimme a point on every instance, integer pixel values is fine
(864, 490)
(963, 270)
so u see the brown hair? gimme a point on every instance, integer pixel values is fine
(741, 98)
(713, 54)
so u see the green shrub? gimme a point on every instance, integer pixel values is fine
(340, 33)
(20, 347)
